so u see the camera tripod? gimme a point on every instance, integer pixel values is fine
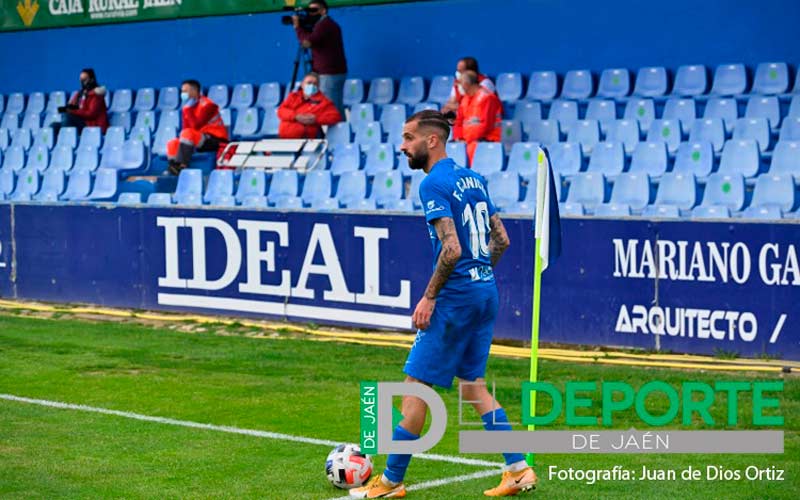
(302, 54)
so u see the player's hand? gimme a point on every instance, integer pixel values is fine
(423, 312)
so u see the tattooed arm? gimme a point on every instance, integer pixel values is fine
(498, 239)
(448, 257)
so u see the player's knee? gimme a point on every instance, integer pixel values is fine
(473, 389)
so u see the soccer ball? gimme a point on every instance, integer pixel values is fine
(346, 467)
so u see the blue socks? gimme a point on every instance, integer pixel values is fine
(396, 465)
(498, 421)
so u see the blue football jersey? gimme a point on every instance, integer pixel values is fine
(452, 191)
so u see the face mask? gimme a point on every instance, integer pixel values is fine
(458, 75)
(84, 83)
(461, 89)
(310, 89)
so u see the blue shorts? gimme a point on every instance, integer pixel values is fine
(457, 342)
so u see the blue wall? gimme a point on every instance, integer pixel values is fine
(417, 38)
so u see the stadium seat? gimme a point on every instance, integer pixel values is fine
(189, 190)
(105, 185)
(709, 130)
(387, 188)
(78, 186)
(401, 205)
(762, 212)
(325, 204)
(412, 90)
(61, 159)
(413, 191)
(613, 210)
(632, 189)
(381, 91)
(27, 184)
(690, 80)
(38, 158)
(288, 203)
(269, 95)
(684, 110)
(642, 110)
(251, 183)
(247, 123)
(565, 112)
(602, 110)
(361, 114)
(111, 157)
(608, 158)
(14, 158)
(651, 82)
(115, 136)
(661, 211)
(369, 135)
(678, 190)
(543, 131)
(270, 124)
(352, 188)
(7, 182)
(740, 156)
(36, 103)
(786, 158)
(15, 104)
(504, 187)
(134, 155)
(159, 199)
(666, 131)
(441, 86)
(588, 189)
(129, 198)
(347, 158)
(771, 78)
(729, 79)
(756, 129)
(420, 106)
(380, 158)
(649, 158)
(764, 107)
(365, 205)
(284, 185)
(566, 158)
(775, 190)
(226, 115)
(393, 117)
(50, 119)
(571, 209)
(542, 86)
(242, 96)
(56, 99)
(528, 204)
(121, 101)
(22, 137)
(162, 136)
(725, 190)
(5, 139)
(711, 212)
(524, 159)
(121, 120)
(219, 94)
(317, 187)
(10, 121)
(168, 98)
(90, 136)
(624, 131)
(511, 133)
(695, 157)
(509, 86)
(52, 185)
(86, 158)
(578, 84)
(525, 111)
(614, 83)
(488, 158)
(31, 121)
(790, 130)
(726, 109)
(145, 99)
(220, 184)
(586, 133)
(353, 91)
(148, 119)
(141, 134)
(43, 137)
(338, 135)
(457, 151)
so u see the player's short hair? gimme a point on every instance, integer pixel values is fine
(192, 83)
(470, 63)
(469, 77)
(432, 119)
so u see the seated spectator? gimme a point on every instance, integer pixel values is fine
(479, 115)
(86, 107)
(305, 110)
(203, 129)
(465, 64)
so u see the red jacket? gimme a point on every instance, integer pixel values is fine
(479, 117)
(91, 107)
(318, 105)
(204, 117)
(483, 80)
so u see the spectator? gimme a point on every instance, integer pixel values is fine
(305, 110)
(479, 115)
(203, 129)
(465, 64)
(327, 51)
(86, 107)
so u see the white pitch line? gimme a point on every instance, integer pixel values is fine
(441, 482)
(228, 429)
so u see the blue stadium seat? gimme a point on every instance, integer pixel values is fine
(145, 99)
(361, 114)
(543, 131)
(509, 87)
(387, 188)
(726, 109)
(711, 212)
(524, 159)
(365, 205)
(247, 124)
(38, 158)
(488, 158)
(690, 80)
(317, 187)
(86, 158)
(121, 101)
(380, 158)
(566, 158)
(764, 107)
(614, 83)
(651, 82)
(775, 190)
(141, 134)
(401, 205)
(613, 210)
(729, 79)
(412, 90)
(168, 98)
(242, 96)
(22, 137)
(352, 188)
(441, 86)
(284, 184)
(566, 112)
(525, 111)
(61, 159)
(325, 204)
(219, 94)
(162, 136)
(369, 135)
(608, 158)
(90, 136)
(413, 191)
(43, 137)
(602, 110)
(790, 130)
(661, 211)
(740, 156)
(695, 157)
(725, 190)
(226, 115)
(159, 199)
(420, 106)
(353, 91)
(251, 183)
(588, 189)
(624, 131)
(578, 84)
(756, 129)
(52, 185)
(504, 187)
(50, 119)
(121, 120)
(771, 78)
(148, 119)
(27, 185)
(255, 202)
(542, 86)
(709, 130)
(14, 158)
(347, 158)
(786, 158)
(288, 202)
(642, 110)
(78, 186)
(31, 121)
(684, 110)
(129, 198)
(36, 102)
(220, 184)
(511, 133)
(189, 190)
(458, 152)
(571, 209)
(338, 135)
(7, 182)
(678, 190)
(393, 117)
(269, 95)
(288, 89)
(270, 124)
(111, 157)
(134, 155)
(381, 91)
(115, 136)
(56, 99)
(5, 140)
(168, 118)
(16, 103)
(650, 158)
(10, 121)
(762, 212)
(105, 185)
(586, 133)
(666, 131)
(632, 189)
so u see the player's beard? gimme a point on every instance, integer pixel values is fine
(418, 161)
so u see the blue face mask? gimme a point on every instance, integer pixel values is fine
(310, 89)
(186, 100)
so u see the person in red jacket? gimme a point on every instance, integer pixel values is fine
(457, 92)
(479, 116)
(203, 129)
(86, 107)
(305, 110)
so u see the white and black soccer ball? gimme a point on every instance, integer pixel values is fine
(346, 467)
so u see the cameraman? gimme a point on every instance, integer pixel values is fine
(327, 50)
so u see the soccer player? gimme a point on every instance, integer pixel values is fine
(456, 314)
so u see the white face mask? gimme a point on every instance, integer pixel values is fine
(458, 75)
